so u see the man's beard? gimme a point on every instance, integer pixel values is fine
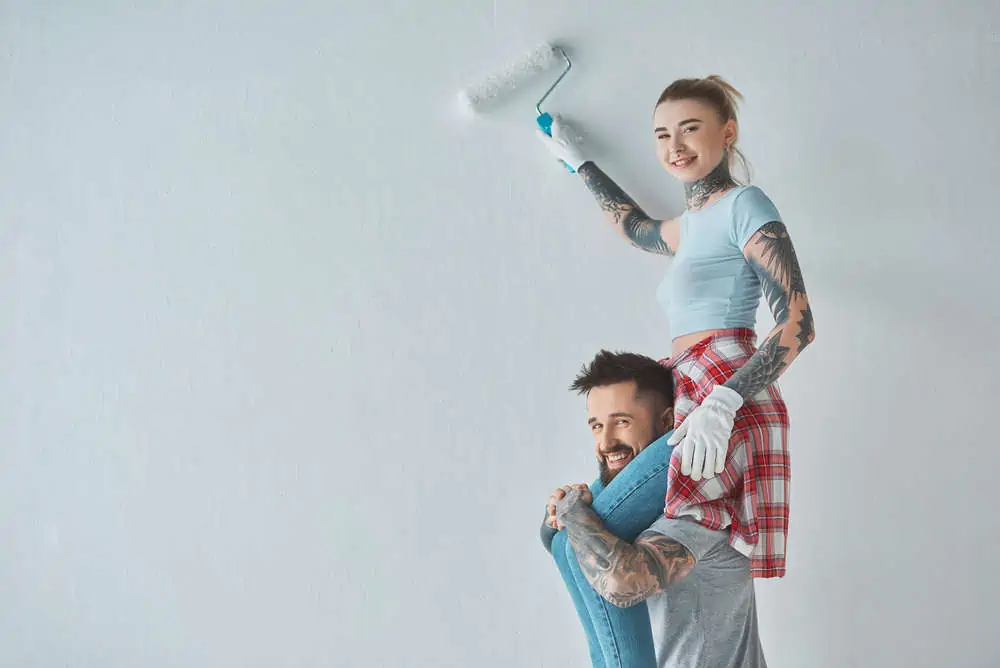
(607, 475)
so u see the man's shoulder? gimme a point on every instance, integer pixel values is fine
(707, 546)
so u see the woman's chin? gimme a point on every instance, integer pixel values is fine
(684, 175)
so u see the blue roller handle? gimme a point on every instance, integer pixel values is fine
(545, 123)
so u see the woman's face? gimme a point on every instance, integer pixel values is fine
(690, 138)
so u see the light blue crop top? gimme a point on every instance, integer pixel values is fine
(709, 284)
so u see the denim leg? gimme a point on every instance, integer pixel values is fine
(559, 544)
(637, 496)
(623, 635)
(628, 506)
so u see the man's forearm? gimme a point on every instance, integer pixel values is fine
(622, 573)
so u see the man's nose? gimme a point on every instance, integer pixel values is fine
(604, 440)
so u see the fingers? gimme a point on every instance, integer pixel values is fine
(687, 455)
(551, 511)
(715, 460)
(564, 132)
(549, 142)
(558, 129)
(678, 434)
(551, 507)
(698, 457)
(708, 469)
(720, 457)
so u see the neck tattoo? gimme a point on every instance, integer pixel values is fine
(697, 192)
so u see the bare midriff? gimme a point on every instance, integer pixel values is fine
(685, 341)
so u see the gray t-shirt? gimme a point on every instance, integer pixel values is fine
(710, 617)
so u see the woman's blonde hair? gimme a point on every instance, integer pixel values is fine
(720, 94)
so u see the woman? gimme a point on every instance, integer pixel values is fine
(730, 467)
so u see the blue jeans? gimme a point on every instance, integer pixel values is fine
(618, 637)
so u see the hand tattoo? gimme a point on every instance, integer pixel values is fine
(622, 573)
(641, 230)
(572, 501)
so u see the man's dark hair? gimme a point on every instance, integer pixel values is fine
(609, 368)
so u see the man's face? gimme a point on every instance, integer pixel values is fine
(624, 422)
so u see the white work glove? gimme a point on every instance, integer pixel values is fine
(704, 434)
(564, 143)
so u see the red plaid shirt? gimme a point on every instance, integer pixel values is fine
(751, 494)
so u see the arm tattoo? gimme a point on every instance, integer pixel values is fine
(762, 369)
(772, 257)
(622, 573)
(641, 230)
(644, 232)
(778, 269)
(779, 258)
(805, 335)
(774, 292)
(609, 195)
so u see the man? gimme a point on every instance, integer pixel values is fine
(620, 556)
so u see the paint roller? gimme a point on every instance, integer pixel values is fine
(489, 92)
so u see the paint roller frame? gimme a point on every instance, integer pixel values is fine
(540, 59)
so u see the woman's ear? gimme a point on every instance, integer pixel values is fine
(730, 133)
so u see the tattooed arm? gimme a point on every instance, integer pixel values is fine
(629, 220)
(772, 256)
(623, 573)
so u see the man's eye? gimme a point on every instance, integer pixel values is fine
(690, 129)
(663, 136)
(623, 421)
(596, 427)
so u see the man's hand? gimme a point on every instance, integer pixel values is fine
(563, 500)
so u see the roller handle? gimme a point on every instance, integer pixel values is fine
(545, 123)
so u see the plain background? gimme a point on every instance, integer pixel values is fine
(286, 340)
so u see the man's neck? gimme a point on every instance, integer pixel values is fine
(697, 193)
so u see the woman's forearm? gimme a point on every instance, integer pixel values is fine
(625, 215)
(781, 346)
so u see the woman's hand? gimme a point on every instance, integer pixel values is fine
(704, 434)
(563, 144)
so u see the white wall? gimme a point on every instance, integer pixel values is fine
(285, 343)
